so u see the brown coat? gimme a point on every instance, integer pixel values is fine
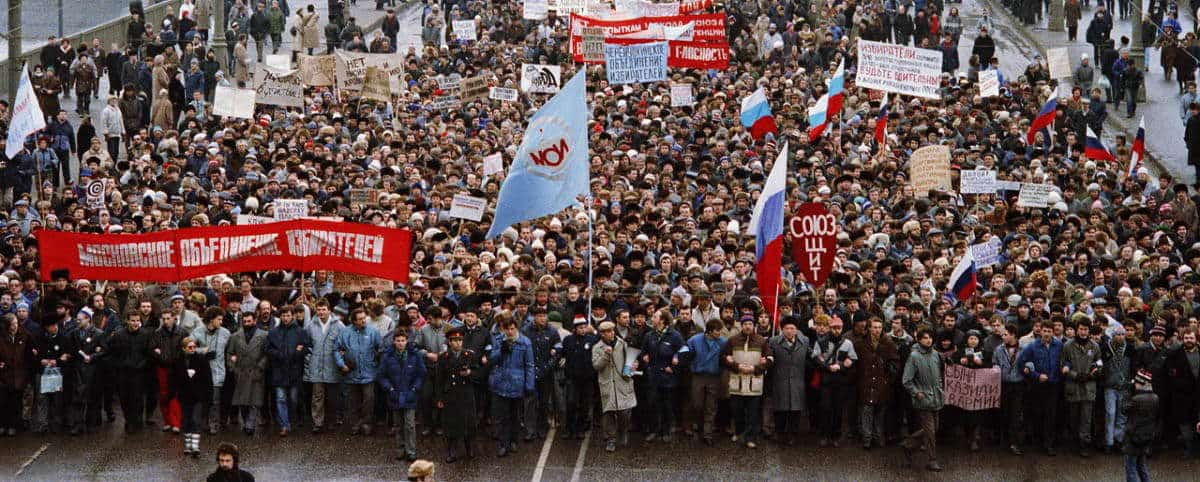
(17, 356)
(875, 378)
(1073, 12)
(162, 114)
(754, 342)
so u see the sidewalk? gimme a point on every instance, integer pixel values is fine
(1164, 128)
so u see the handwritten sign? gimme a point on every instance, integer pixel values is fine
(351, 68)
(279, 62)
(682, 96)
(286, 209)
(376, 86)
(1008, 186)
(282, 88)
(446, 102)
(535, 10)
(989, 83)
(248, 219)
(233, 102)
(493, 164)
(541, 79)
(564, 7)
(449, 83)
(899, 69)
(504, 94)
(977, 182)
(364, 196)
(631, 64)
(467, 207)
(972, 388)
(814, 241)
(929, 169)
(593, 44)
(473, 88)
(318, 70)
(350, 282)
(465, 30)
(1034, 195)
(95, 193)
(1060, 62)
(987, 253)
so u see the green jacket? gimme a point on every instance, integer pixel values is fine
(275, 21)
(1079, 384)
(923, 374)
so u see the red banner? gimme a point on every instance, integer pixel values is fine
(814, 242)
(172, 256)
(710, 27)
(683, 55)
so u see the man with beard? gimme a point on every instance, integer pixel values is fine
(746, 357)
(1182, 370)
(228, 469)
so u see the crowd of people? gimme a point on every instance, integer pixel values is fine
(1090, 313)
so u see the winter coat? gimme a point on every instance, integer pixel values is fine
(788, 382)
(309, 29)
(111, 122)
(577, 356)
(923, 374)
(512, 373)
(93, 342)
(319, 366)
(17, 355)
(1044, 359)
(214, 343)
(455, 391)
(129, 351)
(168, 343)
(754, 343)
(360, 347)
(201, 12)
(1010, 370)
(616, 388)
(542, 340)
(1183, 387)
(259, 24)
(401, 380)
(1116, 373)
(1079, 383)
(162, 113)
(275, 21)
(1141, 426)
(249, 368)
(431, 339)
(242, 63)
(660, 347)
(192, 379)
(878, 367)
(287, 363)
(1073, 12)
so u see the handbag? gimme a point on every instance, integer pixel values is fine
(52, 380)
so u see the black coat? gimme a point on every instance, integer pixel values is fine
(130, 351)
(1183, 386)
(197, 386)
(453, 389)
(287, 363)
(1191, 135)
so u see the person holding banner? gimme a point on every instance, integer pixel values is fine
(971, 354)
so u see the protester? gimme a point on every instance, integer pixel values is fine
(229, 468)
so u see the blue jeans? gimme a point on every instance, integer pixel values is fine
(1137, 468)
(1114, 417)
(285, 403)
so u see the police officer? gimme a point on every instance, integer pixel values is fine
(89, 345)
(455, 394)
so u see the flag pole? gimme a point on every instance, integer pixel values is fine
(591, 259)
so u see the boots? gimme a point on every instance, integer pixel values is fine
(191, 444)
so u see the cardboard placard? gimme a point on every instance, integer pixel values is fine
(1059, 60)
(493, 164)
(286, 209)
(632, 64)
(972, 388)
(899, 69)
(929, 169)
(465, 30)
(233, 102)
(987, 253)
(473, 88)
(504, 94)
(535, 10)
(1034, 195)
(682, 96)
(467, 207)
(973, 181)
(364, 196)
(989, 83)
(278, 88)
(593, 44)
(318, 70)
(375, 86)
(350, 282)
(446, 102)
(244, 219)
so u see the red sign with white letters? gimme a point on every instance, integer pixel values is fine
(814, 242)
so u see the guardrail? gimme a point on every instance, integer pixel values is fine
(109, 33)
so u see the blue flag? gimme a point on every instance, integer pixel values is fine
(551, 168)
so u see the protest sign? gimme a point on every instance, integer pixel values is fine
(493, 164)
(593, 44)
(535, 10)
(279, 62)
(686, 32)
(504, 94)
(174, 255)
(929, 169)
(352, 69)
(1034, 195)
(977, 182)
(473, 88)
(247, 219)
(95, 193)
(709, 27)
(541, 79)
(1008, 186)
(681, 95)
(1060, 62)
(564, 7)
(446, 102)
(814, 241)
(465, 30)
(987, 253)
(375, 85)
(350, 282)
(645, 8)
(233, 102)
(989, 83)
(364, 196)
(467, 207)
(318, 70)
(899, 69)
(280, 88)
(972, 388)
(408, 39)
(697, 54)
(631, 64)
(286, 209)
(449, 83)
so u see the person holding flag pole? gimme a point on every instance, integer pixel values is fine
(766, 223)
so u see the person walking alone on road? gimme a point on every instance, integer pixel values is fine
(1141, 412)
(923, 382)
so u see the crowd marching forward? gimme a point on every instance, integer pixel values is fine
(1090, 313)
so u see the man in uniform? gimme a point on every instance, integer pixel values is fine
(455, 394)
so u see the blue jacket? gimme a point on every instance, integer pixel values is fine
(402, 381)
(1010, 372)
(1044, 358)
(193, 81)
(287, 364)
(661, 348)
(542, 340)
(705, 353)
(512, 373)
(363, 346)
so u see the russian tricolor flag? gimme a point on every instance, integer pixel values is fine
(756, 115)
(818, 118)
(1139, 148)
(881, 123)
(1094, 149)
(962, 280)
(837, 89)
(766, 223)
(1044, 119)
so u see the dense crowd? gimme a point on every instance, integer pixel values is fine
(1091, 312)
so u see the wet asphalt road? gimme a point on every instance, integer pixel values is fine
(113, 456)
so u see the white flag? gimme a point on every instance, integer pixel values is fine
(27, 116)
